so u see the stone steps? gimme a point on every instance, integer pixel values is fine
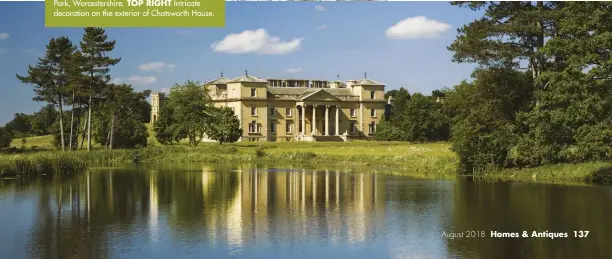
(329, 138)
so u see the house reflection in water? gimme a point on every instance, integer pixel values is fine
(267, 205)
(235, 208)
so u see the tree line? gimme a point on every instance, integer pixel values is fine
(82, 104)
(541, 93)
(189, 113)
(416, 118)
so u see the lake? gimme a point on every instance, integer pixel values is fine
(235, 211)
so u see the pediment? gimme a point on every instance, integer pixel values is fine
(320, 96)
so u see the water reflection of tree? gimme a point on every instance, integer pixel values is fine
(194, 201)
(517, 207)
(61, 229)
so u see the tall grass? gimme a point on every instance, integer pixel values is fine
(56, 165)
(433, 158)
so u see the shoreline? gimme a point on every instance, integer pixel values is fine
(429, 160)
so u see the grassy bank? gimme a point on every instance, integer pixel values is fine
(434, 160)
(58, 165)
(589, 173)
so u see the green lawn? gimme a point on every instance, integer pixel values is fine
(45, 142)
(358, 148)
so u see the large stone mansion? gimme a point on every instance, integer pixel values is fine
(297, 110)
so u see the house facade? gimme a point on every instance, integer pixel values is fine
(296, 109)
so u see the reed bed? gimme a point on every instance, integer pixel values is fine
(56, 165)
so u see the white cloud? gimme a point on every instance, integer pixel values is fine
(417, 27)
(165, 90)
(320, 8)
(293, 70)
(156, 66)
(321, 27)
(257, 41)
(3, 51)
(4, 35)
(142, 80)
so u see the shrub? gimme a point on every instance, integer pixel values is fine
(259, 152)
(601, 176)
(5, 138)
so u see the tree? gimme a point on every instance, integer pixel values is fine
(437, 93)
(192, 110)
(20, 126)
(413, 118)
(390, 93)
(225, 127)
(423, 120)
(43, 120)
(572, 120)
(387, 131)
(75, 87)
(120, 117)
(508, 34)
(166, 131)
(398, 104)
(50, 78)
(94, 47)
(5, 138)
(482, 116)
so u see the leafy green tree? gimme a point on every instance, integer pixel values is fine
(387, 131)
(437, 93)
(225, 127)
(572, 120)
(192, 110)
(166, 131)
(398, 105)
(95, 47)
(50, 78)
(43, 120)
(390, 93)
(20, 126)
(5, 138)
(145, 108)
(122, 126)
(423, 120)
(482, 115)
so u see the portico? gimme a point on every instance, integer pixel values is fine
(321, 119)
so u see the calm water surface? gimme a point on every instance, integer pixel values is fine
(263, 212)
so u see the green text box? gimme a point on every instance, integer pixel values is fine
(135, 13)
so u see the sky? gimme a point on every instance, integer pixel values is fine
(401, 44)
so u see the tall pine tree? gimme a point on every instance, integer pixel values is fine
(50, 77)
(95, 47)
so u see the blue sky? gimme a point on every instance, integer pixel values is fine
(317, 40)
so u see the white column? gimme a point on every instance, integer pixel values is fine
(303, 120)
(314, 120)
(337, 120)
(326, 120)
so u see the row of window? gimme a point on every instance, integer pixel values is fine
(288, 112)
(255, 128)
(254, 93)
